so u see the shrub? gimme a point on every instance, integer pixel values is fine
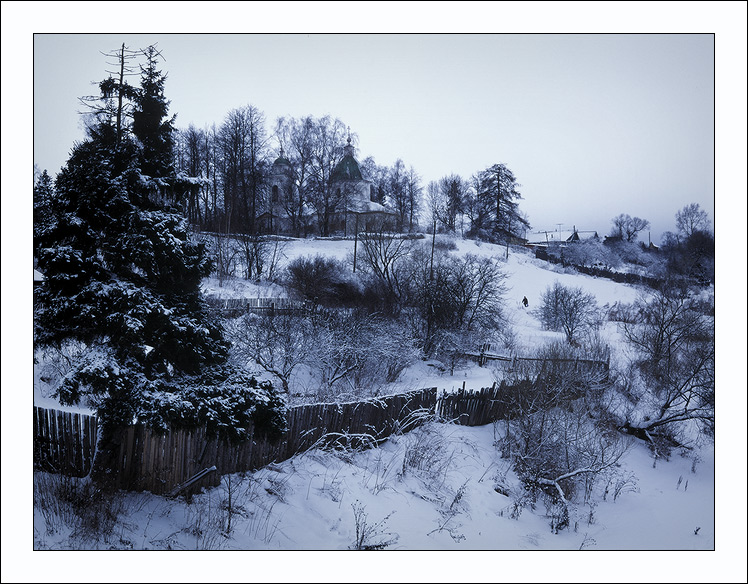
(227, 401)
(76, 505)
(323, 280)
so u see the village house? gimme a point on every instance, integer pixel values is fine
(559, 237)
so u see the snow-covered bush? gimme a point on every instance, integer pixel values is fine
(370, 535)
(323, 280)
(559, 454)
(224, 400)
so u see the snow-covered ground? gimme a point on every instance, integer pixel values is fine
(446, 499)
(315, 500)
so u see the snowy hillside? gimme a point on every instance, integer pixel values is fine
(440, 487)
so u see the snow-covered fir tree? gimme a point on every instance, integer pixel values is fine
(123, 277)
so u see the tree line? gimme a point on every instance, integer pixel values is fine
(233, 162)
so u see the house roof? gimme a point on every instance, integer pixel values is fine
(545, 237)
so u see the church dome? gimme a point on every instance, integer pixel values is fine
(347, 168)
(281, 161)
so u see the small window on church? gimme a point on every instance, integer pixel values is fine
(275, 193)
(371, 193)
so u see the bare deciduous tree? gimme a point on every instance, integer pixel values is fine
(413, 190)
(674, 342)
(225, 256)
(279, 343)
(326, 152)
(570, 310)
(690, 219)
(627, 227)
(260, 255)
(383, 256)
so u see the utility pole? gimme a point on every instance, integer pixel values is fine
(355, 244)
(433, 245)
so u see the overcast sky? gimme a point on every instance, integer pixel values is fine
(592, 125)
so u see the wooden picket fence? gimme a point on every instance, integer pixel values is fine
(472, 408)
(159, 463)
(259, 305)
(64, 442)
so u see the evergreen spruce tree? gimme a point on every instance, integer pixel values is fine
(150, 124)
(499, 191)
(123, 277)
(43, 198)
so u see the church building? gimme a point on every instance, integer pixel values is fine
(358, 211)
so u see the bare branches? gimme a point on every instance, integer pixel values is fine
(570, 310)
(114, 91)
(675, 359)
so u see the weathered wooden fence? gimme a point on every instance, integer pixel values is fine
(158, 463)
(591, 365)
(64, 442)
(472, 408)
(259, 305)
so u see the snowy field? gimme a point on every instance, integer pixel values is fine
(458, 496)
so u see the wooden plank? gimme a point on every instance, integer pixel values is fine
(133, 478)
(188, 455)
(218, 462)
(54, 433)
(146, 463)
(67, 442)
(51, 459)
(37, 454)
(78, 447)
(38, 437)
(179, 476)
(156, 447)
(166, 463)
(43, 437)
(46, 444)
(174, 478)
(174, 460)
(136, 466)
(51, 440)
(157, 452)
(129, 455)
(169, 460)
(94, 443)
(140, 457)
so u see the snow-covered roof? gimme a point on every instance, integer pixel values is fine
(543, 237)
(38, 276)
(367, 207)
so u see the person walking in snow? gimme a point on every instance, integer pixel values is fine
(524, 301)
